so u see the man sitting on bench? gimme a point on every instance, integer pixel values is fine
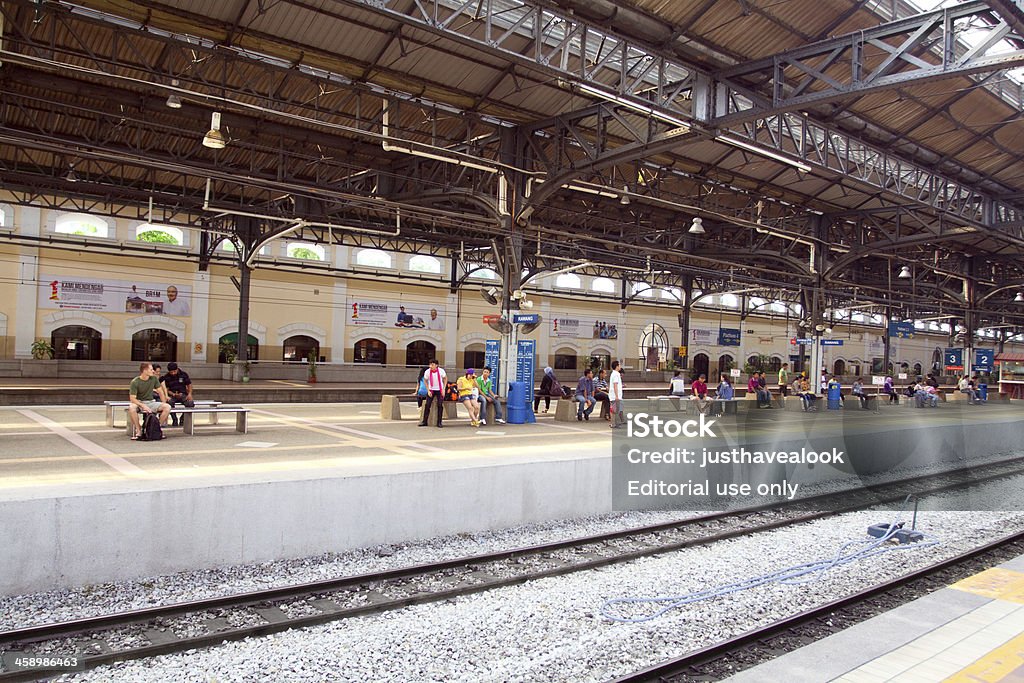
(140, 394)
(179, 389)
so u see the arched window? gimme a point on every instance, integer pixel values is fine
(229, 344)
(82, 224)
(480, 272)
(773, 365)
(701, 364)
(725, 364)
(672, 293)
(229, 246)
(421, 263)
(307, 251)
(299, 347)
(755, 303)
(154, 345)
(642, 289)
(568, 281)
(755, 363)
(917, 369)
(839, 367)
(653, 346)
(5, 216)
(159, 234)
(419, 353)
(565, 359)
(602, 284)
(778, 307)
(730, 301)
(373, 258)
(76, 342)
(370, 351)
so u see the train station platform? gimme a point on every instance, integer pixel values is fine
(84, 504)
(970, 632)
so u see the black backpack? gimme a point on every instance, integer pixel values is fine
(151, 430)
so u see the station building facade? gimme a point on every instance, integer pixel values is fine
(103, 288)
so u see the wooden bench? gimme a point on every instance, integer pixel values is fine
(112, 405)
(188, 424)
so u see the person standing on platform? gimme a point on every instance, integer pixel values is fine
(436, 380)
(178, 386)
(585, 396)
(487, 395)
(615, 396)
(783, 379)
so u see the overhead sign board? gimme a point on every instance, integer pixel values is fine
(901, 330)
(831, 342)
(984, 360)
(728, 336)
(525, 318)
(953, 359)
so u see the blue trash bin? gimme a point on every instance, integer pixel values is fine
(983, 392)
(835, 395)
(519, 409)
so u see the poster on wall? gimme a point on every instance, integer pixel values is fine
(391, 314)
(701, 336)
(578, 329)
(115, 296)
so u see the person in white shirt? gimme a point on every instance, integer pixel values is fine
(435, 323)
(677, 387)
(175, 304)
(436, 380)
(615, 396)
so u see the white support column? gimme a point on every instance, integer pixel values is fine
(339, 321)
(200, 329)
(451, 329)
(28, 277)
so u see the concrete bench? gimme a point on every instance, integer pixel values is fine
(188, 424)
(111, 406)
(666, 404)
(449, 412)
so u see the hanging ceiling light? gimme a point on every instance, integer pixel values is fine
(1019, 299)
(697, 226)
(173, 101)
(905, 272)
(214, 139)
(624, 198)
(71, 176)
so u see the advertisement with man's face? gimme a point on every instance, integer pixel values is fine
(391, 314)
(115, 296)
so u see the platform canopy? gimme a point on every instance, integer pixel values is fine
(838, 153)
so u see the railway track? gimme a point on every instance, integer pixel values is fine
(721, 660)
(202, 623)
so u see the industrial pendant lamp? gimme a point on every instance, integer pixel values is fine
(1019, 299)
(904, 273)
(214, 139)
(697, 226)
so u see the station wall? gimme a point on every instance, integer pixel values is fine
(150, 300)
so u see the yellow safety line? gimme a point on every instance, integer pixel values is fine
(1003, 663)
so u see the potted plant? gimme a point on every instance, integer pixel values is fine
(312, 368)
(42, 350)
(246, 367)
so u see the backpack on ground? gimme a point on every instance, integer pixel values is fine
(151, 430)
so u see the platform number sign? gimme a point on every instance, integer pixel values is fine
(984, 360)
(954, 359)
